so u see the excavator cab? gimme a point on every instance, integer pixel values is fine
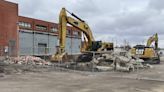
(100, 46)
(95, 45)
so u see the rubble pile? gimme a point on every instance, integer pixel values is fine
(122, 61)
(26, 60)
(119, 60)
(23, 64)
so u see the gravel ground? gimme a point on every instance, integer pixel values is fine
(41, 80)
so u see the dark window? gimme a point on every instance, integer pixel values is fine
(42, 48)
(79, 33)
(41, 27)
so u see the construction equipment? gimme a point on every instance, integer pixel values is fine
(147, 53)
(89, 42)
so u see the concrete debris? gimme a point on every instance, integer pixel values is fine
(122, 61)
(104, 68)
(31, 60)
(127, 63)
(149, 66)
(123, 64)
(119, 60)
(95, 61)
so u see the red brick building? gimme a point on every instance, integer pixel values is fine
(8, 27)
(21, 35)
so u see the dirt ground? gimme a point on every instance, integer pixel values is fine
(149, 80)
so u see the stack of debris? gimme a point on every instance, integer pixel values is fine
(26, 60)
(122, 61)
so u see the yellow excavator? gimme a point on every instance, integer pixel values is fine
(147, 53)
(89, 42)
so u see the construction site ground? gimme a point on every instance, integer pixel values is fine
(46, 79)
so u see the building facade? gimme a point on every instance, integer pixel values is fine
(21, 35)
(37, 37)
(8, 27)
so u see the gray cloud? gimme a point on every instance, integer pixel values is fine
(133, 20)
(156, 4)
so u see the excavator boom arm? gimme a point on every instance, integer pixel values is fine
(82, 26)
(77, 23)
(62, 30)
(152, 39)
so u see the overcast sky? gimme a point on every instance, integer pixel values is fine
(110, 20)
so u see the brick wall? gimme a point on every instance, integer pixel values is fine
(8, 27)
